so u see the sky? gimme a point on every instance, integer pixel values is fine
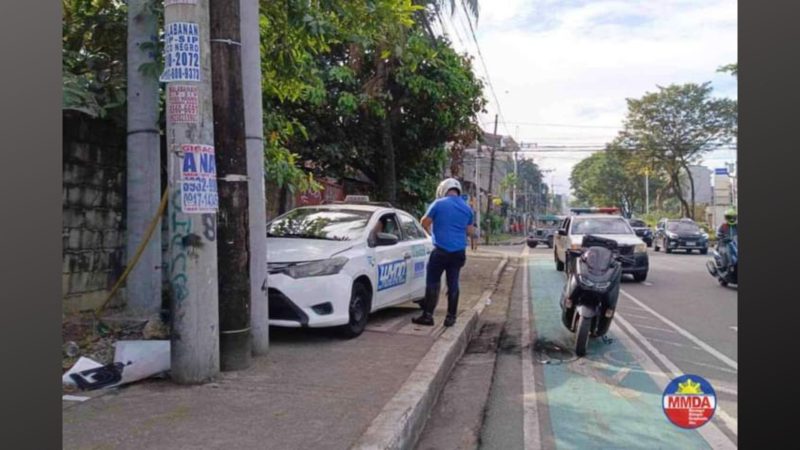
(561, 70)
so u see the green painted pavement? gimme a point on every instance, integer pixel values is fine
(604, 400)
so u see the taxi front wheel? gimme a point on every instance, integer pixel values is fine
(358, 312)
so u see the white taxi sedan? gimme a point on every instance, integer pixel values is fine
(332, 265)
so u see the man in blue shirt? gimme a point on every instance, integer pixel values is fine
(452, 221)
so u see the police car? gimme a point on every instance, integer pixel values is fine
(607, 223)
(333, 264)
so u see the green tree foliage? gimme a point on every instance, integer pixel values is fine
(340, 77)
(532, 191)
(336, 103)
(93, 57)
(672, 128)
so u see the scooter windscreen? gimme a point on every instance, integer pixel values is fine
(596, 268)
(597, 260)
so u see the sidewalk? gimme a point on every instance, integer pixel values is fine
(313, 390)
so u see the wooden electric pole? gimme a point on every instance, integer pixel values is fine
(233, 223)
(192, 193)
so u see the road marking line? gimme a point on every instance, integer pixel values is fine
(647, 283)
(665, 330)
(674, 344)
(619, 376)
(716, 353)
(532, 436)
(710, 366)
(634, 341)
(638, 316)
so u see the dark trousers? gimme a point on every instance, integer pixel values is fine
(449, 263)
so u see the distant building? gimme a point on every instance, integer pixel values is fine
(703, 192)
(503, 165)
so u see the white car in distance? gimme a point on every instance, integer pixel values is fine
(332, 265)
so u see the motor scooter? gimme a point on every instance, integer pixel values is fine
(590, 295)
(725, 270)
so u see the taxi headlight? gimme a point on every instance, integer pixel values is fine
(640, 248)
(317, 268)
(576, 246)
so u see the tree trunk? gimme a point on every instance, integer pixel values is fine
(676, 185)
(691, 185)
(389, 176)
(144, 165)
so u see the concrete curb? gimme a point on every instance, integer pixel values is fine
(401, 421)
(505, 243)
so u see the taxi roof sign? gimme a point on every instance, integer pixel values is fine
(357, 199)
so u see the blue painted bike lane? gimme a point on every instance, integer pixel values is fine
(604, 400)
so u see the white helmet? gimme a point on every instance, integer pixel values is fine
(446, 185)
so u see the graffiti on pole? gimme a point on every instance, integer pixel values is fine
(179, 280)
(198, 179)
(181, 52)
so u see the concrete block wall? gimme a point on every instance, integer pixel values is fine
(93, 211)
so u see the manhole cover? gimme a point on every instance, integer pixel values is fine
(546, 351)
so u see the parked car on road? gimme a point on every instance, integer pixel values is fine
(610, 226)
(544, 230)
(332, 265)
(642, 230)
(680, 234)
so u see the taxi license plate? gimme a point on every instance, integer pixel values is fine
(690, 244)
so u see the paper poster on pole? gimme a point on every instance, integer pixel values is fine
(198, 180)
(179, 2)
(183, 105)
(181, 52)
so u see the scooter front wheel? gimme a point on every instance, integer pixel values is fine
(582, 335)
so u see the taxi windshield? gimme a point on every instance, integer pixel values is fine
(320, 223)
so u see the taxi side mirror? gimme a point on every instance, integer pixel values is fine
(562, 232)
(386, 239)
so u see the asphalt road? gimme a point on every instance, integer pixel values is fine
(680, 321)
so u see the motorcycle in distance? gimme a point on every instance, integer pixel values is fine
(725, 274)
(592, 289)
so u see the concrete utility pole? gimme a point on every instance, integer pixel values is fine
(477, 186)
(491, 180)
(234, 228)
(192, 193)
(254, 127)
(144, 164)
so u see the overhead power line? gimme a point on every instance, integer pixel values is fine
(565, 125)
(485, 69)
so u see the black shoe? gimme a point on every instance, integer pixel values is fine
(424, 319)
(449, 321)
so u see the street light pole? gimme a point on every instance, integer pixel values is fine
(647, 191)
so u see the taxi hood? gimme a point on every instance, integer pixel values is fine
(284, 250)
